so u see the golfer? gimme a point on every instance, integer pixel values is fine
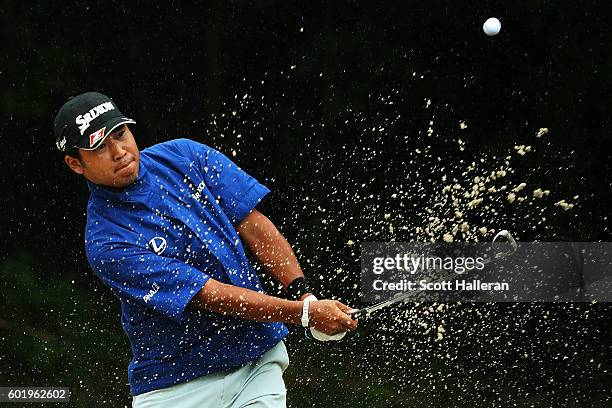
(166, 231)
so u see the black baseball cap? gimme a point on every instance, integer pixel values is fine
(84, 121)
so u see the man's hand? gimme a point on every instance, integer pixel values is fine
(331, 317)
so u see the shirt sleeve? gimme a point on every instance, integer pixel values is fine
(237, 192)
(163, 284)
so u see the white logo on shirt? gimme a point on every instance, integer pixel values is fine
(158, 245)
(199, 190)
(153, 291)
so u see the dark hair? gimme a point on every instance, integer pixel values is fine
(74, 152)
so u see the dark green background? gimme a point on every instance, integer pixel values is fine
(331, 118)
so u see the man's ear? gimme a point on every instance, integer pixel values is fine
(74, 164)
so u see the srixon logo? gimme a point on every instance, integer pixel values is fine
(199, 190)
(84, 119)
(158, 245)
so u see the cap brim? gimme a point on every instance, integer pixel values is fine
(108, 127)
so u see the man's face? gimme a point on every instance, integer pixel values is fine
(114, 163)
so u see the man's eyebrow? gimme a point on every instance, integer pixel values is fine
(119, 130)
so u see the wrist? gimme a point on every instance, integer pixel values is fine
(298, 288)
(305, 318)
(293, 313)
(305, 295)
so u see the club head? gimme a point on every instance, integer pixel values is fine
(505, 243)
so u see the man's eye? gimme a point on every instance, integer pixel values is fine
(97, 149)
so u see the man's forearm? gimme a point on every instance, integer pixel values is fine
(246, 304)
(327, 316)
(269, 247)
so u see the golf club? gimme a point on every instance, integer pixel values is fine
(502, 236)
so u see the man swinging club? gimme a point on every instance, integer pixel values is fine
(166, 231)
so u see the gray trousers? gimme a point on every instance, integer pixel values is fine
(259, 384)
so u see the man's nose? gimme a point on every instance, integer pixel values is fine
(117, 149)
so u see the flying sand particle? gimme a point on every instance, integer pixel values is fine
(542, 132)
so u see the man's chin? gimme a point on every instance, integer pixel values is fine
(126, 176)
(125, 181)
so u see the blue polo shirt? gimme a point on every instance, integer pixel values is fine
(155, 244)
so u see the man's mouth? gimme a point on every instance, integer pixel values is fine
(123, 165)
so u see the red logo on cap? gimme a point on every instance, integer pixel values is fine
(95, 136)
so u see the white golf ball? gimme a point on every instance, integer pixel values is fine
(491, 27)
